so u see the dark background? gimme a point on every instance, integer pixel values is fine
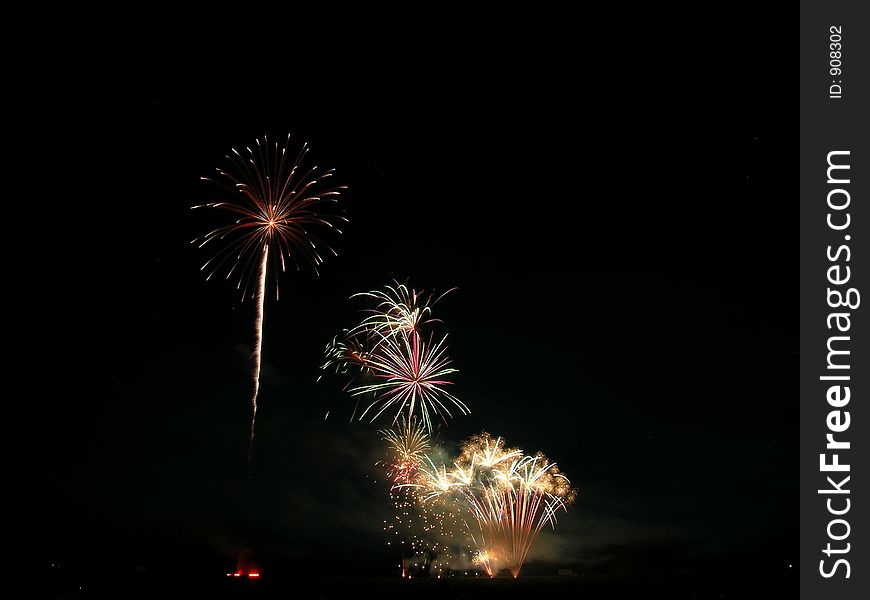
(613, 209)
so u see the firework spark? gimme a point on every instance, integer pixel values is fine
(487, 559)
(278, 206)
(423, 532)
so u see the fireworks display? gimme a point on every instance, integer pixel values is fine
(278, 207)
(393, 363)
(484, 508)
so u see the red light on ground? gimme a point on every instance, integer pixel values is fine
(253, 574)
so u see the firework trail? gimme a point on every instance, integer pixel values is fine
(397, 367)
(277, 206)
(258, 342)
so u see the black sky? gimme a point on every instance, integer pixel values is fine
(618, 221)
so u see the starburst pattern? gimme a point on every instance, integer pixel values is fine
(278, 207)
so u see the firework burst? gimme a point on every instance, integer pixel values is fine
(278, 208)
(399, 308)
(398, 369)
(410, 375)
(513, 507)
(486, 452)
(510, 497)
(407, 445)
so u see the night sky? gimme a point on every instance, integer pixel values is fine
(619, 227)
